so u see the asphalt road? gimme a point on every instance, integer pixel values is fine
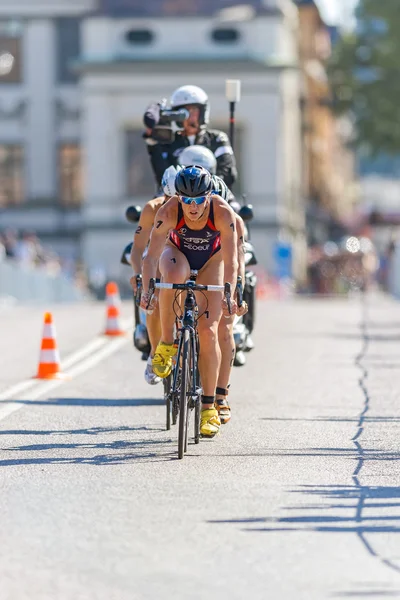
(298, 498)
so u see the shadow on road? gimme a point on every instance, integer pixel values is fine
(134, 451)
(364, 510)
(368, 455)
(84, 431)
(377, 419)
(111, 402)
(360, 497)
(98, 460)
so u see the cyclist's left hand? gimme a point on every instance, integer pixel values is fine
(225, 310)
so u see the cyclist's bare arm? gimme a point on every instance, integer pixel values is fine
(241, 237)
(164, 222)
(225, 222)
(142, 233)
(241, 233)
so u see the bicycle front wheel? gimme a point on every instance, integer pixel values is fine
(167, 400)
(197, 409)
(185, 383)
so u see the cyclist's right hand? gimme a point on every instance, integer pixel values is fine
(148, 302)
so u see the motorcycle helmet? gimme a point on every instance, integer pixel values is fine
(191, 94)
(199, 155)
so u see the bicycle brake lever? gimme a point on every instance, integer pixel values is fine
(239, 289)
(227, 294)
(139, 284)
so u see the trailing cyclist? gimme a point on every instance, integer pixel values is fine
(200, 229)
(140, 243)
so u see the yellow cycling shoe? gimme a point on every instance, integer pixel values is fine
(209, 422)
(162, 359)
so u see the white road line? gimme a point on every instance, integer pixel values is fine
(17, 388)
(83, 352)
(92, 346)
(90, 355)
(91, 361)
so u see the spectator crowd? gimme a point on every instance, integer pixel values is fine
(25, 249)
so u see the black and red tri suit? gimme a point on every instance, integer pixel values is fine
(198, 245)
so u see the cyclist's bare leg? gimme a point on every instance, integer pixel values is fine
(174, 268)
(210, 353)
(153, 326)
(227, 345)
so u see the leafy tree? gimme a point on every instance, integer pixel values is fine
(365, 76)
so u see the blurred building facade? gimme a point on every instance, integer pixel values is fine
(71, 153)
(328, 165)
(40, 113)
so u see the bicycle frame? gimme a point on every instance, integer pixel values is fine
(189, 323)
(185, 381)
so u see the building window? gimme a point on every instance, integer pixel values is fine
(11, 174)
(142, 37)
(68, 48)
(70, 175)
(10, 59)
(140, 178)
(225, 36)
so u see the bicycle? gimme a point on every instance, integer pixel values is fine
(185, 392)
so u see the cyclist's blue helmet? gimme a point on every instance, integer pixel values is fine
(193, 182)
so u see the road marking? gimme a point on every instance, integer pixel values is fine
(16, 389)
(83, 352)
(87, 357)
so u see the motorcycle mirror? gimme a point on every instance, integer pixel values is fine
(246, 212)
(133, 213)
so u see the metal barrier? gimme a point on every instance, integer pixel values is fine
(32, 285)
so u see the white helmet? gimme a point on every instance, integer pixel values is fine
(199, 155)
(168, 180)
(191, 94)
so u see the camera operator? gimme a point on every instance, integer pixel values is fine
(170, 130)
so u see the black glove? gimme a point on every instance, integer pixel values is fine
(152, 116)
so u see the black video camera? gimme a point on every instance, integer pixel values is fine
(169, 123)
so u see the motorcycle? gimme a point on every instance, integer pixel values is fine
(243, 326)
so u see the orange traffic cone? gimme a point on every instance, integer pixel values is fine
(49, 361)
(113, 300)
